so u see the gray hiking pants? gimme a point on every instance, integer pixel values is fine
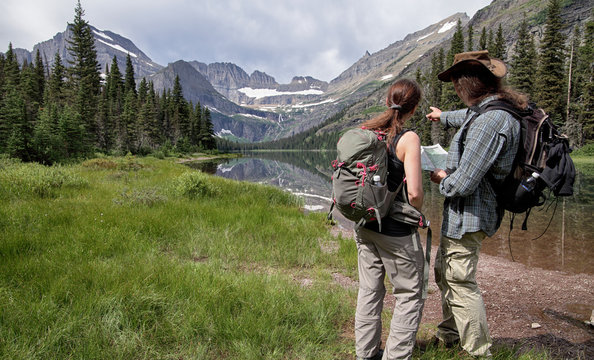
(464, 316)
(401, 259)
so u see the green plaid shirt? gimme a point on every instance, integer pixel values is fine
(491, 144)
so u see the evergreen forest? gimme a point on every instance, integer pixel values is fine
(70, 112)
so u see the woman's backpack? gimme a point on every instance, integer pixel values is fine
(359, 181)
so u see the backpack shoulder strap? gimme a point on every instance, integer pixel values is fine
(479, 110)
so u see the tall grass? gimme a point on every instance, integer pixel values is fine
(126, 258)
(142, 259)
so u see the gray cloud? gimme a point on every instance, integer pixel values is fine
(320, 38)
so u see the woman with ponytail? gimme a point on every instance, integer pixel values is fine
(396, 250)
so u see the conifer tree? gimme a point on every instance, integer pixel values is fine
(39, 77)
(46, 135)
(469, 40)
(551, 78)
(196, 125)
(207, 139)
(180, 115)
(499, 45)
(129, 123)
(491, 42)
(129, 83)
(55, 85)
(483, 40)
(449, 99)
(142, 91)
(84, 76)
(522, 70)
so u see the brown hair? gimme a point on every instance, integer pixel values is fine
(475, 83)
(406, 94)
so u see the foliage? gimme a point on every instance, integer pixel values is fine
(550, 76)
(195, 184)
(26, 180)
(71, 114)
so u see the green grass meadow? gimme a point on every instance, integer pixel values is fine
(143, 258)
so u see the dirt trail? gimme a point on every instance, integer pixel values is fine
(526, 307)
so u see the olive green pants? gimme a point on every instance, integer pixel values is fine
(464, 316)
(402, 260)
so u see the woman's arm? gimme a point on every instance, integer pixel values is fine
(408, 150)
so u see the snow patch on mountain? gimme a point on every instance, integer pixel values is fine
(426, 36)
(224, 132)
(446, 27)
(117, 47)
(103, 35)
(262, 93)
(299, 106)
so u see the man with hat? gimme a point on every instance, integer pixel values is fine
(470, 209)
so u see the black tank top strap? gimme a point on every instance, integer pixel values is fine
(392, 145)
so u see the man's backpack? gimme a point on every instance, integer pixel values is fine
(542, 160)
(359, 181)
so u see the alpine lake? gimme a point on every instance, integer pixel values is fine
(559, 235)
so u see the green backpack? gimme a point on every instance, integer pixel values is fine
(359, 186)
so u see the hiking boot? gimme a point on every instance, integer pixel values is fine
(377, 356)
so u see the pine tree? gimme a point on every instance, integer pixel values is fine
(491, 42)
(142, 91)
(180, 114)
(129, 83)
(129, 124)
(207, 139)
(449, 98)
(483, 40)
(469, 40)
(84, 75)
(196, 125)
(551, 76)
(499, 45)
(46, 136)
(522, 70)
(40, 78)
(55, 85)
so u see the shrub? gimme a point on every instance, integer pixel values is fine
(25, 179)
(194, 184)
(586, 150)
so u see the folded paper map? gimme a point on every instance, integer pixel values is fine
(433, 157)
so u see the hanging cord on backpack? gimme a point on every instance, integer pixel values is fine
(550, 221)
(511, 221)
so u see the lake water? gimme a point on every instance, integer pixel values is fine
(566, 245)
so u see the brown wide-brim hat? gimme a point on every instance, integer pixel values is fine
(463, 60)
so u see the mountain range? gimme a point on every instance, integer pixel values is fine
(254, 107)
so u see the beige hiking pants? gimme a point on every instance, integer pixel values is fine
(464, 316)
(401, 259)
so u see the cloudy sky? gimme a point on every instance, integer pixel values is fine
(283, 38)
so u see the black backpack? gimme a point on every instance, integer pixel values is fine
(542, 161)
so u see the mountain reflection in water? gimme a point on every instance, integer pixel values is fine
(567, 244)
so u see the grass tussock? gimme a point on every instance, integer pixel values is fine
(140, 258)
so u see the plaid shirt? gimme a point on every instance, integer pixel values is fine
(491, 144)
